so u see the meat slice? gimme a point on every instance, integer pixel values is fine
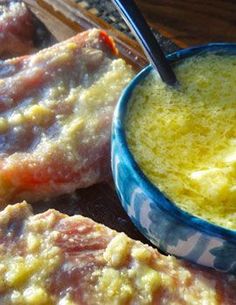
(17, 30)
(54, 259)
(56, 109)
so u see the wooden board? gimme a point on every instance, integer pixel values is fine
(192, 22)
(65, 18)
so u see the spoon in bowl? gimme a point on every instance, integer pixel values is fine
(146, 38)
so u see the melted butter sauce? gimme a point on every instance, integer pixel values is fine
(185, 141)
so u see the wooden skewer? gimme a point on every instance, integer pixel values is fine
(65, 18)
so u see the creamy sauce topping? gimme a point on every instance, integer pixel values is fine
(56, 109)
(52, 259)
(27, 261)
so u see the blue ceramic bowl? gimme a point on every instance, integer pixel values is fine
(168, 227)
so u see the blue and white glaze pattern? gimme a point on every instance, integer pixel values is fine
(165, 225)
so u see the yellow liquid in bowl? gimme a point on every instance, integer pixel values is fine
(185, 140)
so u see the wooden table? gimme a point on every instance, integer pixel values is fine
(187, 23)
(192, 22)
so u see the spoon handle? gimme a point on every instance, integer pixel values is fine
(144, 35)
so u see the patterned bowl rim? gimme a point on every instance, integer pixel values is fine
(153, 192)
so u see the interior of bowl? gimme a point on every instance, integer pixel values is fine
(151, 190)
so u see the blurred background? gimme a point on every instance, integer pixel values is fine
(186, 23)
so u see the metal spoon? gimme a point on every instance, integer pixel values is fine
(146, 38)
